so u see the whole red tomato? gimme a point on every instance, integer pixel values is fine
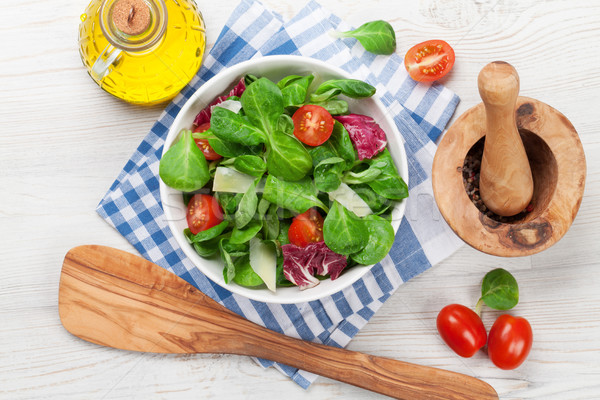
(462, 329)
(510, 341)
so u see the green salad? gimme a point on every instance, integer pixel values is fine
(284, 184)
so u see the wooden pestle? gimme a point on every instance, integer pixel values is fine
(505, 183)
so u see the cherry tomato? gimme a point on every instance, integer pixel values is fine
(203, 144)
(462, 329)
(429, 61)
(306, 228)
(203, 212)
(312, 124)
(510, 341)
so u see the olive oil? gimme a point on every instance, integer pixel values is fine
(148, 67)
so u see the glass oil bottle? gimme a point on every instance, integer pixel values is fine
(142, 51)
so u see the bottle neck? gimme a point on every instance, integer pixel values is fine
(133, 25)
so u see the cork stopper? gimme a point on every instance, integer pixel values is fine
(131, 17)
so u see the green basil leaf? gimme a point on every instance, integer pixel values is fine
(239, 236)
(263, 207)
(230, 149)
(251, 165)
(271, 223)
(285, 124)
(371, 173)
(247, 206)
(244, 274)
(262, 102)
(183, 167)
(353, 88)
(338, 145)
(284, 227)
(229, 267)
(297, 196)
(327, 174)
(284, 213)
(341, 142)
(229, 201)
(208, 248)
(322, 152)
(334, 106)
(499, 290)
(324, 96)
(235, 249)
(379, 243)
(288, 80)
(187, 197)
(229, 126)
(377, 37)
(287, 158)
(378, 204)
(330, 161)
(294, 90)
(208, 234)
(343, 231)
(207, 134)
(248, 79)
(388, 184)
(227, 162)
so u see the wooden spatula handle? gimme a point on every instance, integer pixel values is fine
(114, 298)
(506, 183)
(390, 377)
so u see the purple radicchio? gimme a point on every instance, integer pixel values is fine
(204, 115)
(300, 264)
(366, 135)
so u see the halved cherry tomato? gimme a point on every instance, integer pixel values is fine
(312, 124)
(203, 144)
(306, 228)
(462, 329)
(203, 212)
(429, 61)
(510, 341)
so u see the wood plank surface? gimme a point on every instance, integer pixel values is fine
(63, 141)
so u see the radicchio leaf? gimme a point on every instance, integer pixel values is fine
(300, 264)
(204, 115)
(366, 135)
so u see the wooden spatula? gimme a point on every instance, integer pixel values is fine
(114, 298)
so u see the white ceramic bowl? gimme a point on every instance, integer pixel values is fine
(274, 68)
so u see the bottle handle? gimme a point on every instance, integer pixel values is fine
(101, 66)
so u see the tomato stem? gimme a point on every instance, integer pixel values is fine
(479, 306)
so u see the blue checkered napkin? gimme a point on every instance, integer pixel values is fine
(132, 204)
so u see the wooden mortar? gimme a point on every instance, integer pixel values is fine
(555, 158)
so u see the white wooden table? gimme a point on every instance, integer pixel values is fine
(63, 141)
